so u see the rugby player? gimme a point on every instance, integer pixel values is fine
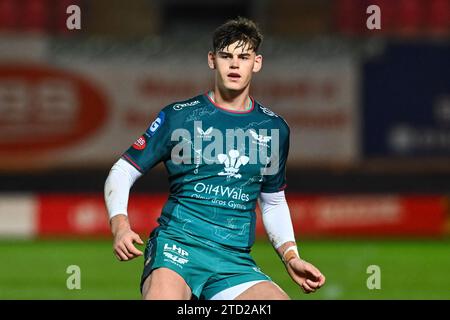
(224, 152)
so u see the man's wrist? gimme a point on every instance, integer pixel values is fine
(119, 222)
(290, 253)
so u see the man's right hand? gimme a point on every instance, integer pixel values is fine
(124, 239)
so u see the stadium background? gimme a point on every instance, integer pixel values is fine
(369, 110)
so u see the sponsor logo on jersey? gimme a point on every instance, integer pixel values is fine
(206, 133)
(156, 124)
(175, 258)
(261, 139)
(140, 143)
(219, 190)
(176, 254)
(179, 106)
(268, 112)
(174, 248)
(232, 162)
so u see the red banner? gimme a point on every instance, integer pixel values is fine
(312, 215)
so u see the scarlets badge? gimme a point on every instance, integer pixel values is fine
(140, 143)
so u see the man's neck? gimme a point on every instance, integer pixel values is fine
(236, 102)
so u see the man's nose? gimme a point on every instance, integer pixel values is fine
(235, 62)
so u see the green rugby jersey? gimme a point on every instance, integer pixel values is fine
(218, 162)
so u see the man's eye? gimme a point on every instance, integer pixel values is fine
(244, 58)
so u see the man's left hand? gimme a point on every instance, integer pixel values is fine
(307, 276)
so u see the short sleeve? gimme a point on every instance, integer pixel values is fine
(151, 147)
(276, 180)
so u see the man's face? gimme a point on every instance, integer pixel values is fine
(234, 65)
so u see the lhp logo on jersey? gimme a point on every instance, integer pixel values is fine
(176, 254)
(232, 163)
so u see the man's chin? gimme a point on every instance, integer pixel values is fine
(234, 87)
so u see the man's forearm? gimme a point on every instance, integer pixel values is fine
(117, 187)
(277, 221)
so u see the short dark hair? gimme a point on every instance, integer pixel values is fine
(240, 29)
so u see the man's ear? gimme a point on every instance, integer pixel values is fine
(211, 60)
(258, 63)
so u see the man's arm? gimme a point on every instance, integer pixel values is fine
(117, 188)
(278, 224)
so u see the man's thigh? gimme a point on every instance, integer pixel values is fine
(165, 284)
(265, 290)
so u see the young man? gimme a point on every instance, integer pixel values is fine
(223, 152)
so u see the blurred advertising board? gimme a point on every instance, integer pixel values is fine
(368, 215)
(312, 215)
(79, 108)
(406, 100)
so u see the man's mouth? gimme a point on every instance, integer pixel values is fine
(234, 75)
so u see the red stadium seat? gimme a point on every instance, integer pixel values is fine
(35, 15)
(438, 17)
(410, 17)
(9, 12)
(348, 15)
